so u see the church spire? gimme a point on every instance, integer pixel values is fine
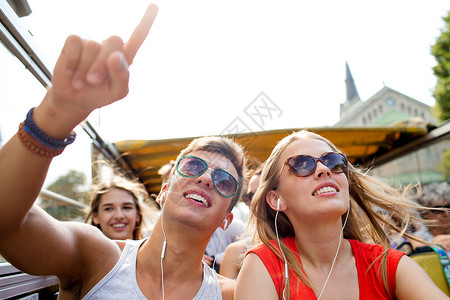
(352, 92)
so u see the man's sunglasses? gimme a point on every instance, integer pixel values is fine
(305, 165)
(192, 166)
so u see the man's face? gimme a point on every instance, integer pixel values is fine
(196, 201)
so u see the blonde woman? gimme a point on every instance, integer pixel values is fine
(323, 213)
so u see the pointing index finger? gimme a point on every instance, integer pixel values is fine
(139, 34)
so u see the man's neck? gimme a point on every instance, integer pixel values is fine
(182, 263)
(183, 251)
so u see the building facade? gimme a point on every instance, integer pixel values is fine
(389, 107)
(385, 108)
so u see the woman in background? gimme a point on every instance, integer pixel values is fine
(118, 209)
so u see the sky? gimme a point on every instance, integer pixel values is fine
(206, 63)
(208, 66)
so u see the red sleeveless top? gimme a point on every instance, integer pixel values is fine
(370, 282)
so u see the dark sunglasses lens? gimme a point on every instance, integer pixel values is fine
(224, 183)
(335, 162)
(301, 165)
(191, 166)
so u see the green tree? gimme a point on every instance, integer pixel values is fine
(441, 52)
(72, 185)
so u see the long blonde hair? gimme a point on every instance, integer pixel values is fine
(365, 223)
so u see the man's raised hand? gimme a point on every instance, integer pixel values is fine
(89, 75)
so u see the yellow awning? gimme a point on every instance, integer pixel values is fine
(362, 145)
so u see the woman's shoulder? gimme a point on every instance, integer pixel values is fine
(227, 286)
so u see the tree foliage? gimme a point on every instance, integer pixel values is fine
(441, 52)
(72, 185)
(446, 165)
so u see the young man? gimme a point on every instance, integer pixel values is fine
(199, 196)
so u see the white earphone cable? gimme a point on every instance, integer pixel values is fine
(286, 273)
(163, 251)
(285, 261)
(335, 256)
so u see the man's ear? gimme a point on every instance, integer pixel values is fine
(162, 194)
(227, 221)
(274, 201)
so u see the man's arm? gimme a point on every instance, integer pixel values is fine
(87, 75)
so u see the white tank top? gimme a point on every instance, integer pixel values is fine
(121, 283)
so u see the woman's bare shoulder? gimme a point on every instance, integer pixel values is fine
(227, 287)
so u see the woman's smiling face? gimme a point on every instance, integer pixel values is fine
(117, 215)
(322, 193)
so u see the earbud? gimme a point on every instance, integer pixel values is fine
(278, 204)
(161, 197)
(225, 221)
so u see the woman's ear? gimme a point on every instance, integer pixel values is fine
(274, 201)
(95, 218)
(138, 219)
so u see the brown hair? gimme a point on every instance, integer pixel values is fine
(367, 196)
(136, 190)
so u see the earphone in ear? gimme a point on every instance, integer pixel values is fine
(161, 197)
(278, 204)
(225, 224)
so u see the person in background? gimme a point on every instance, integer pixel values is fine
(118, 208)
(219, 241)
(242, 211)
(235, 252)
(437, 219)
(322, 235)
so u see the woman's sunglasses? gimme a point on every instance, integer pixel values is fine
(305, 165)
(192, 166)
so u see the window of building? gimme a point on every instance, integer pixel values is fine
(390, 102)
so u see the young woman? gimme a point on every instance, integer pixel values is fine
(324, 215)
(118, 209)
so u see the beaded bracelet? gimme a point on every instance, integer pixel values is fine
(38, 141)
